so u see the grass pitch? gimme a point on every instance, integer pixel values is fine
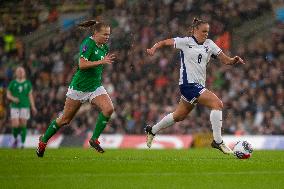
(193, 168)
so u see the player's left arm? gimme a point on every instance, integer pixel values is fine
(32, 101)
(228, 60)
(224, 59)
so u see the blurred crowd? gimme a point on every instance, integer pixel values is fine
(144, 89)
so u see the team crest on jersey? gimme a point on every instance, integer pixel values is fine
(206, 48)
(85, 47)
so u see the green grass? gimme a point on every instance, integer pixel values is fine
(194, 168)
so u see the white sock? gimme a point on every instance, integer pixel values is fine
(216, 121)
(167, 121)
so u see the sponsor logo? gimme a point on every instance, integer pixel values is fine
(206, 48)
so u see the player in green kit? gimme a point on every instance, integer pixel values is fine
(86, 85)
(20, 94)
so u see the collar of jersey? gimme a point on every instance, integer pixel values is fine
(196, 40)
(20, 81)
(96, 43)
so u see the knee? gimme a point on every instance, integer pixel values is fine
(218, 105)
(108, 111)
(15, 123)
(179, 117)
(22, 122)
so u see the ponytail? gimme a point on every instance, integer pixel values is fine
(92, 25)
(87, 24)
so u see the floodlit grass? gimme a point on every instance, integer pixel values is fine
(194, 168)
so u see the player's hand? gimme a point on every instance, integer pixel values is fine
(151, 51)
(16, 100)
(238, 60)
(108, 59)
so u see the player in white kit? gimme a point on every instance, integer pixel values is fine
(195, 53)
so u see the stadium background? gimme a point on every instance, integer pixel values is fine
(43, 38)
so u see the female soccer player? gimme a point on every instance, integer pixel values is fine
(19, 92)
(195, 54)
(86, 85)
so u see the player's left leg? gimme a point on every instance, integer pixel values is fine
(210, 100)
(101, 99)
(24, 116)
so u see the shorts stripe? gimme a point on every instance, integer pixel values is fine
(202, 91)
(192, 100)
(184, 98)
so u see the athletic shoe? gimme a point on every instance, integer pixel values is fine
(150, 135)
(96, 144)
(222, 147)
(41, 147)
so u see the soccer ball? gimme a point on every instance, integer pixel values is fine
(242, 150)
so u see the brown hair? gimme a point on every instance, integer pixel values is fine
(195, 23)
(93, 25)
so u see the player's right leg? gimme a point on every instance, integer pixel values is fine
(15, 122)
(70, 108)
(182, 110)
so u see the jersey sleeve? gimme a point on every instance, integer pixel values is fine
(180, 42)
(30, 87)
(86, 49)
(215, 50)
(10, 86)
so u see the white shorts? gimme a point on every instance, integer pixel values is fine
(22, 113)
(85, 96)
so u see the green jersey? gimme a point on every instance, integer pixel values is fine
(90, 79)
(21, 91)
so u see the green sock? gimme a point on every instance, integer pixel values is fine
(23, 133)
(51, 130)
(100, 125)
(15, 132)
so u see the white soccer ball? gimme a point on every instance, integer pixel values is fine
(243, 150)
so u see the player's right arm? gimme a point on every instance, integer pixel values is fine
(86, 50)
(85, 63)
(11, 97)
(160, 44)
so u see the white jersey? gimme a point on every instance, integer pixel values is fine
(194, 58)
